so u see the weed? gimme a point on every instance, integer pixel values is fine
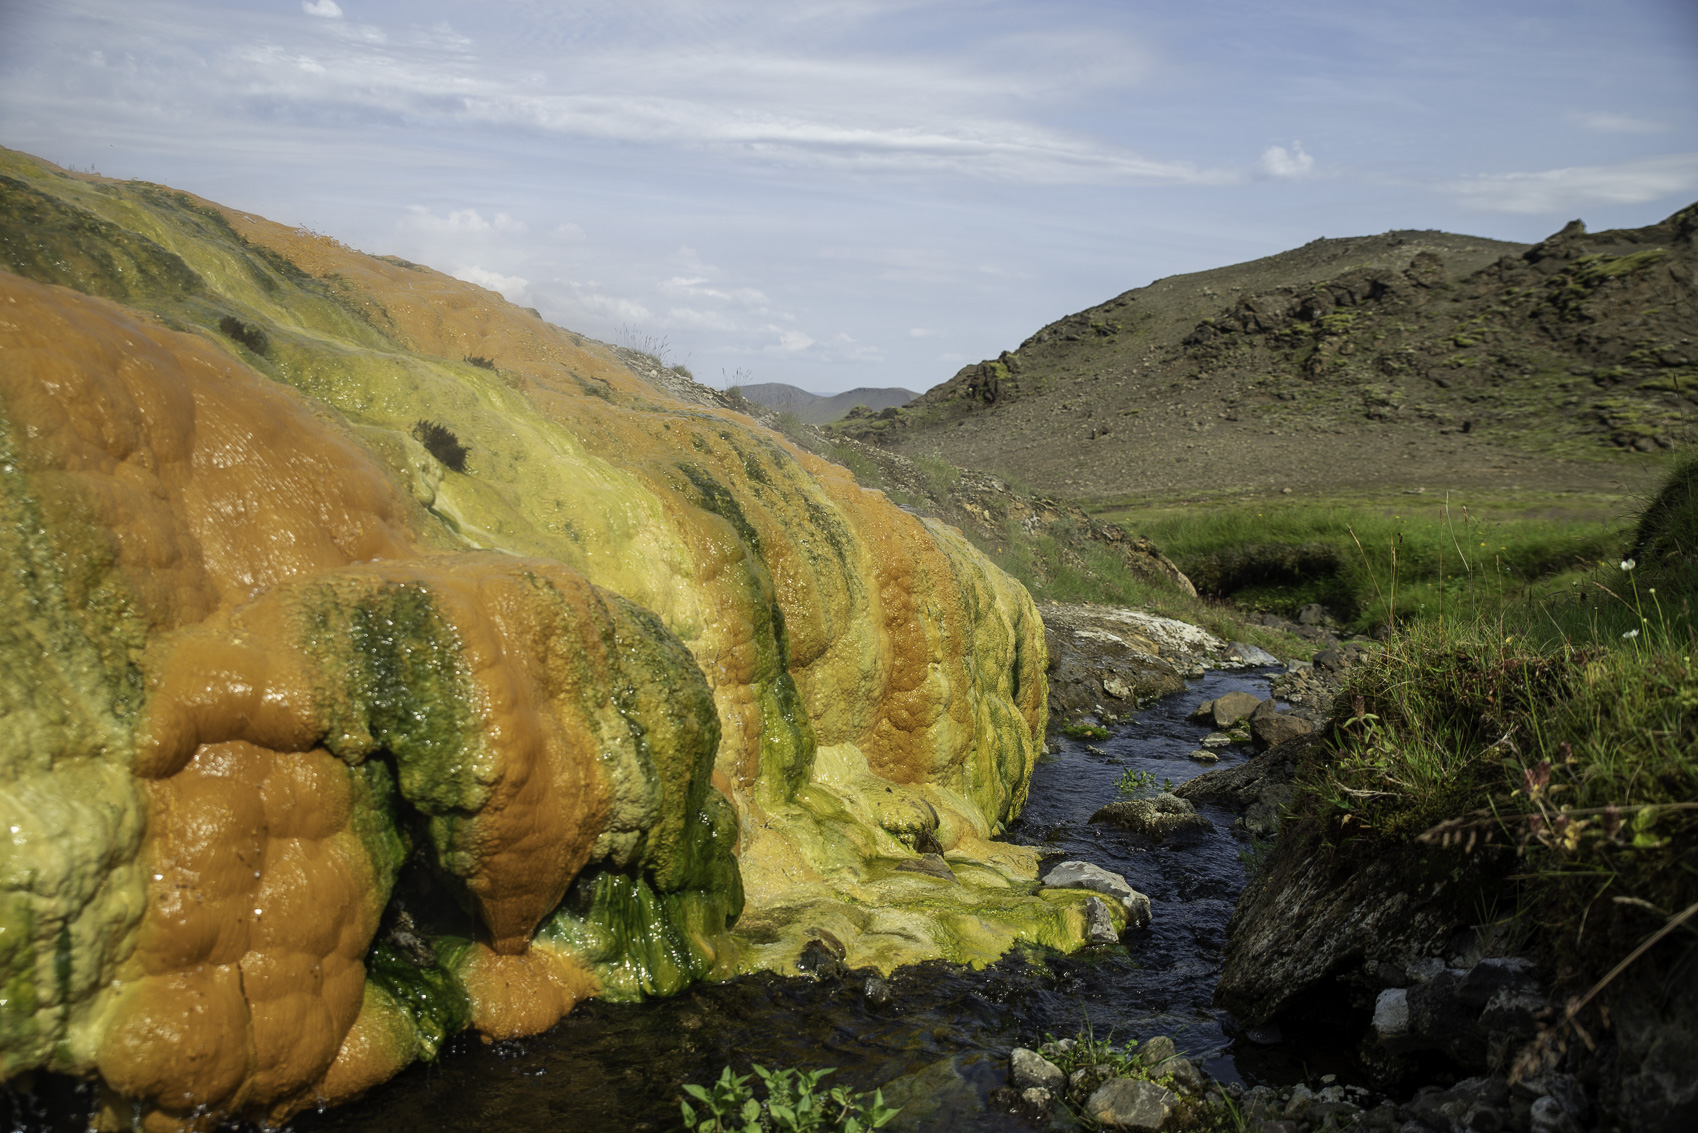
(1139, 784)
(1079, 730)
(794, 1104)
(441, 443)
(480, 361)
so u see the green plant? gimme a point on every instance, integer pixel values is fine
(440, 442)
(794, 1104)
(480, 361)
(1139, 784)
(1079, 730)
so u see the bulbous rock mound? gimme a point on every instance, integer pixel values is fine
(322, 744)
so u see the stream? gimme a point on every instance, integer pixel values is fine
(938, 1047)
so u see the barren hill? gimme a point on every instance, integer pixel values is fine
(818, 409)
(1409, 358)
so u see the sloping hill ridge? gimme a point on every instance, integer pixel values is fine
(383, 661)
(1410, 358)
(819, 409)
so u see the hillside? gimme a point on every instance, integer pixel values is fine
(817, 409)
(1405, 359)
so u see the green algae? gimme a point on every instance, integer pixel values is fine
(639, 942)
(431, 995)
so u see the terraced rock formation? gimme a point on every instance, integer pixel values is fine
(383, 660)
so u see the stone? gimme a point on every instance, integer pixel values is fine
(1130, 1103)
(1084, 875)
(1154, 1051)
(1158, 817)
(1028, 1068)
(1311, 615)
(1203, 711)
(1218, 739)
(1391, 1013)
(1297, 1105)
(1250, 654)
(1099, 923)
(1035, 1103)
(1204, 755)
(1229, 708)
(1277, 728)
(1493, 975)
(1332, 660)
(876, 992)
(1117, 688)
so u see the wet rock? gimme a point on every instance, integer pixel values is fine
(1028, 1068)
(1203, 711)
(1275, 728)
(1204, 755)
(1218, 739)
(1229, 708)
(1391, 1014)
(1130, 1103)
(1484, 1102)
(1099, 924)
(1084, 875)
(822, 956)
(1159, 817)
(876, 992)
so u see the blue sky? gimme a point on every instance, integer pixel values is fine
(863, 192)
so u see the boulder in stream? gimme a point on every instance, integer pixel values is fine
(1084, 875)
(1159, 817)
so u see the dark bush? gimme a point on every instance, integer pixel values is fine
(249, 336)
(481, 362)
(441, 443)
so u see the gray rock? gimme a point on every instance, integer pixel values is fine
(1229, 708)
(1084, 875)
(1130, 1103)
(1204, 755)
(1493, 975)
(1311, 615)
(1028, 1068)
(1117, 688)
(1391, 1013)
(1218, 739)
(1099, 924)
(1203, 711)
(1035, 1103)
(1297, 1105)
(1250, 654)
(1157, 817)
(1154, 1051)
(876, 991)
(1276, 728)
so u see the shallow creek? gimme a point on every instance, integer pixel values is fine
(941, 1043)
(938, 1047)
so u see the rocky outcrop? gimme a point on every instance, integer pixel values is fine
(385, 661)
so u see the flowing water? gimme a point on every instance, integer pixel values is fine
(940, 1044)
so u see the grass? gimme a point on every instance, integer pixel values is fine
(1447, 557)
(1544, 743)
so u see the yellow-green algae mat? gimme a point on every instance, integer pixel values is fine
(318, 748)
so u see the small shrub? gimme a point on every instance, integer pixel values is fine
(441, 443)
(794, 1104)
(251, 337)
(480, 361)
(1079, 730)
(1139, 784)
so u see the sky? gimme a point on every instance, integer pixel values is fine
(863, 192)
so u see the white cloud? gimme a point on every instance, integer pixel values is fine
(1278, 161)
(1562, 190)
(1608, 123)
(325, 9)
(461, 222)
(511, 287)
(571, 232)
(791, 341)
(922, 332)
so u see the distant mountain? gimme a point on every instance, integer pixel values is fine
(817, 410)
(1415, 358)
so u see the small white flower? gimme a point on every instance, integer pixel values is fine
(1628, 564)
(1631, 633)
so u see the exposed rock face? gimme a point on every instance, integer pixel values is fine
(576, 694)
